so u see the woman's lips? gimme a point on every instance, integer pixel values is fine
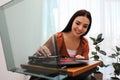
(78, 32)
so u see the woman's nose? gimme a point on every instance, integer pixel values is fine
(80, 27)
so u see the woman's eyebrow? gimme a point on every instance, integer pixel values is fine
(77, 21)
(86, 24)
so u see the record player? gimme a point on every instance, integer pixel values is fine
(44, 61)
(56, 62)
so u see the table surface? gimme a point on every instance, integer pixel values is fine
(72, 71)
(78, 70)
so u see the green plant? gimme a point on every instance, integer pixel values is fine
(96, 53)
(116, 65)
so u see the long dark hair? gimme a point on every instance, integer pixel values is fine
(78, 13)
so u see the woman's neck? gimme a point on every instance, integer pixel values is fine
(70, 35)
(71, 41)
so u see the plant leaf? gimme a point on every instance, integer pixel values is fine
(103, 65)
(102, 52)
(96, 57)
(95, 43)
(116, 67)
(93, 39)
(117, 48)
(113, 56)
(97, 47)
(99, 38)
(94, 53)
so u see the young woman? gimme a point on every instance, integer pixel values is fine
(71, 41)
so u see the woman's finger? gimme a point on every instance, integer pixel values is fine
(47, 51)
(43, 50)
(79, 57)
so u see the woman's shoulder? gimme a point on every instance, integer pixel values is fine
(59, 34)
(85, 40)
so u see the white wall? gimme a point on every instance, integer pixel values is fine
(4, 73)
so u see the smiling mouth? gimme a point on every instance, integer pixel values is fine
(78, 32)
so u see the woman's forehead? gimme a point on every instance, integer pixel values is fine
(83, 19)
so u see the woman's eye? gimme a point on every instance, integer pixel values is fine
(85, 26)
(77, 23)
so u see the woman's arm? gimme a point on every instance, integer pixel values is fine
(49, 48)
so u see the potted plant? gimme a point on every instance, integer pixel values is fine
(116, 64)
(96, 55)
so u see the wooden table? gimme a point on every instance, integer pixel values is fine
(73, 71)
(79, 70)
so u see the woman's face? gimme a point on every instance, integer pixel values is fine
(80, 25)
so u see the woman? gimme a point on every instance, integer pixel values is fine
(71, 41)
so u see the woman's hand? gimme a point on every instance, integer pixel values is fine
(43, 51)
(79, 57)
